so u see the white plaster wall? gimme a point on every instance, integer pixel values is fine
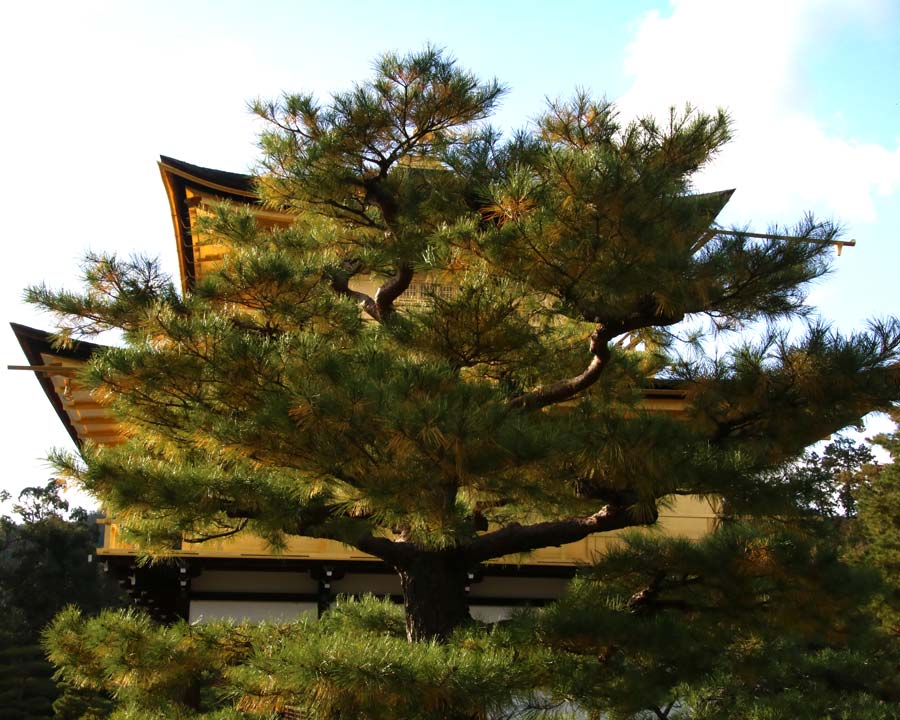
(490, 613)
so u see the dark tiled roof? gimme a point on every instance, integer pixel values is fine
(36, 342)
(237, 181)
(178, 176)
(713, 202)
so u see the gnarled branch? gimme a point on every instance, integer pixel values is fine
(393, 288)
(517, 538)
(340, 283)
(568, 388)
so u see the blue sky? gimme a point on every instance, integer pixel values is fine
(93, 93)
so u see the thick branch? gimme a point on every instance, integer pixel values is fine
(391, 551)
(392, 289)
(517, 538)
(568, 388)
(563, 390)
(340, 283)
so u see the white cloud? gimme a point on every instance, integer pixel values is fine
(748, 57)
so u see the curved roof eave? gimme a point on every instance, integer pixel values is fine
(177, 177)
(34, 344)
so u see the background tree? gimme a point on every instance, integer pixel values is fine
(501, 416)
(877, 529)
(45, 566)
(824, 485)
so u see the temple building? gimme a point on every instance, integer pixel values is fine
(240, 577)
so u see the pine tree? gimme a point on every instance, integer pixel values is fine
(563, 270)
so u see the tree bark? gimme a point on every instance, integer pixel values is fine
(566, 389)
(517, 538)
(393, 288)
(434, 581)
(434, 593)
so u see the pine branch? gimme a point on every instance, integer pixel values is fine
(516, 538)
(216, 536)
(390, 551)
(565, 389)
(647, 314)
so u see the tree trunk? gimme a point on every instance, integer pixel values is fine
(434, 594)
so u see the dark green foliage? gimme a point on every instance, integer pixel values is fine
(818, 486)
(740, 624)
(44, 566)
(354, 663)
(81, 703)
(45, 562)
(27, 689)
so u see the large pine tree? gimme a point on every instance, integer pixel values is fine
(557, 274)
